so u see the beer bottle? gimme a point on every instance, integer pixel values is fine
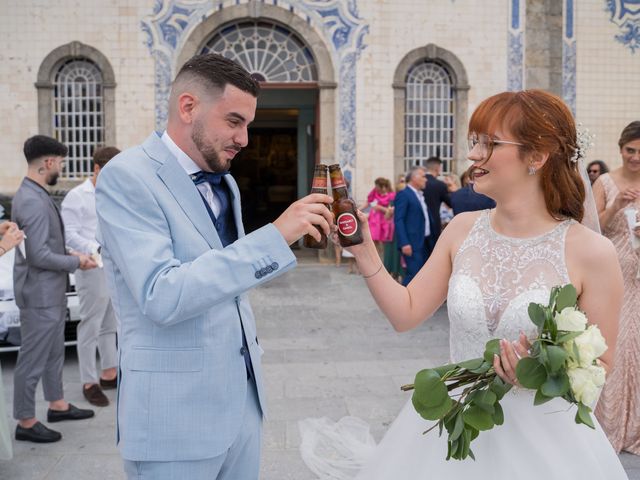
(319, 185)
(344, 209)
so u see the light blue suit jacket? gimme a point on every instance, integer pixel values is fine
(179, 298)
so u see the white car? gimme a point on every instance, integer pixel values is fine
(10, 314)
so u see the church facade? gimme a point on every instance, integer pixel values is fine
(374, 85)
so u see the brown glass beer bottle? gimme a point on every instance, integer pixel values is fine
(344, 209)
(319, 185)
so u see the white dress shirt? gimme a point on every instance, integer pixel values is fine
(423, 204)
(190, 167)
(80, 220)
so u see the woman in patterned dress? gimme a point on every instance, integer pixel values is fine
(618, 195)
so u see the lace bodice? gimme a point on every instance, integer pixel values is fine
(493, 281)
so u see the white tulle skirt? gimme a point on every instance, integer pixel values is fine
(534, 443)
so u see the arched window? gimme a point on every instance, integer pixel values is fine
(429, 115)
(269, 51)
(78, 114)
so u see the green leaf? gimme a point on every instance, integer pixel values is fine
(432, 413)
(555, 385)
(531, 373)
(430, 398)
(458, 426)
(498, 414)
(564, 338)
(430, 390)
(485, 400)
(492, 348)
(583, 416)
(567, 297)
(499, 387)
(556, 358)
(536, 314)
(540, 398)
(471, 364)
(484, 368)
(478, 418)
(444, 369)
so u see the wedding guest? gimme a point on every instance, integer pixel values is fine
(466, 199)
(412, 223)
(617, 195)
(40, 284)
(97, 327)
(379, 201)
(392, 258)
(446, 212)
(10, 236)
(435, 194)
(595, 169)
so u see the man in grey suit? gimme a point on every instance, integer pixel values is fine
(179, 266)
(40, 282)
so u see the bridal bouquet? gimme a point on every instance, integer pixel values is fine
(464, 398)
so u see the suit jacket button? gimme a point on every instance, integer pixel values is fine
(269, 269)
(258, 275)
(263, 271)
(275, 265)
(243, 351)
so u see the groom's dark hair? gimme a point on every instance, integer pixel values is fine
(214, 72)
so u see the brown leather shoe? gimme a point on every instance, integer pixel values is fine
(109, 384)
(95, 396)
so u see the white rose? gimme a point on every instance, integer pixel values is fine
(591, 345)
(571, 320)
(586, 383)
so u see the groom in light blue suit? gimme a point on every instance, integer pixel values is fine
(190, 397)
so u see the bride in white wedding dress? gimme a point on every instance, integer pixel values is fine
(489, 266)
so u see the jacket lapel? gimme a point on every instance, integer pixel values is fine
(235, 202)
(182, 189)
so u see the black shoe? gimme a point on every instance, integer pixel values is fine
(37, 434)
(108, 384)
(72, 413)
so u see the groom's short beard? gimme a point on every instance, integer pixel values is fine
(208, 152)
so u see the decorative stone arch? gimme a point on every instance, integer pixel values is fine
(324, 65)
(460, 84)
(46, 76)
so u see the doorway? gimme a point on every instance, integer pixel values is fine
(276, 166)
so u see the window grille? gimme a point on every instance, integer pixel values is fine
(429, 115)
(78, 114)
(270, 52)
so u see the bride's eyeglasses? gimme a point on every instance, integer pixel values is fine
(486, 144)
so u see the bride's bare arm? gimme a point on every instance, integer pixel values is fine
(595, 271)
(407, 307)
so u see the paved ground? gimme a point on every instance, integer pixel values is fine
(328, 352)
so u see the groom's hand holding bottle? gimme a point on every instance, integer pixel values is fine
(301, 217)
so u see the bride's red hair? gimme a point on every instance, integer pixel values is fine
(544, 124)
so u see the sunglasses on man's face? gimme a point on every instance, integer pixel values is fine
(594, 171)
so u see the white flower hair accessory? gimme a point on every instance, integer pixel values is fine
(584, 140)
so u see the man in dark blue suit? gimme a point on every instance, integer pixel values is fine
(435, 193)
(466, 199)
(411, 218)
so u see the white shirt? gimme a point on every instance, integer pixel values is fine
(190, 167)
(423, 204)
(80, 220)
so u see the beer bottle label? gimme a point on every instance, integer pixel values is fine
(347, 224)
(319, 183)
